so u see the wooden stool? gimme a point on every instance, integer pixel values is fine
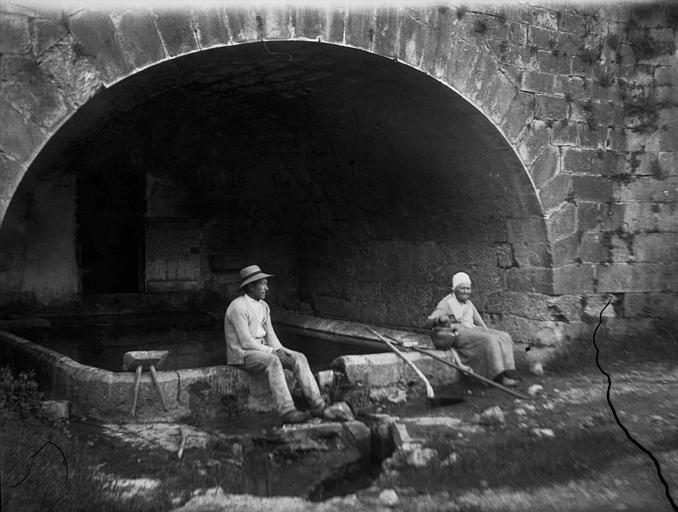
(137, 359)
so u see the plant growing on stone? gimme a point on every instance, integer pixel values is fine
(613, 42)
(645, 109)
(589, 55)
(552, 44)
(657, 171)
(480, 27)
(605, 79)
(587, 108)
(19, 393)
(647, 47)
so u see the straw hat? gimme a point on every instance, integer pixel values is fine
(250, 274)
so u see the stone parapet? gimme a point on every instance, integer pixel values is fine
(106, 395)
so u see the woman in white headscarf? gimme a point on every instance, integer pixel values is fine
(488, 352)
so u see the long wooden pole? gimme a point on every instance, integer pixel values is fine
(429, 389)
(465, 372)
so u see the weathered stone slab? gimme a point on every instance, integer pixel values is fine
(532, 254)
(440, 41)
(516, 120)
(95, 36)
(11, 173)
(564, 134)
(45, 33)
(308, 23)
(534, 306)
(413, 30)
(653, 305)
(550, 107)
(360, 27)
(596, 162)
(517, 33)
(76, 74)
(176, 31)
(655, 247)
(564, 251)
(577, 278)
(14, 34)
(335, 25)
(55, 409)
(386, 33)
(388, 370)
(536, 280)
(525, 229)
(33, 93)
(19, 137)
(276, 23)
(666, 216)
(533, 141)
(650, 190)
(139, 38)
(638, 277)
(592, 188)
(554, 192)
(242, 24)
(562, 222)
(592, 248)
(465, 56)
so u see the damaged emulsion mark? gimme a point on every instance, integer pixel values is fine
(28, 472)
(260, 28)
(614, 413)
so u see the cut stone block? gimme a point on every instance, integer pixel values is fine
(55, 409)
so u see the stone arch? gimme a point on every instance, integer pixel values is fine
(102, 50)
(97, 49)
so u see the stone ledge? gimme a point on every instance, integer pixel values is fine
(376, 371)
(107, 395)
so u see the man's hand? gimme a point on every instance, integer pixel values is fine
(285, 358)
(447, 320)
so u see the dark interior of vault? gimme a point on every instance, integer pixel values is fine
(360, 182)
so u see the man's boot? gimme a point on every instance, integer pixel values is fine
(318, 412)
(295, 416)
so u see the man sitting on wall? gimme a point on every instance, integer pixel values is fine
(251, 344)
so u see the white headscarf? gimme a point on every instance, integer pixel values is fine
(460, 278)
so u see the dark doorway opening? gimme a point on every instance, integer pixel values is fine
(111, 208)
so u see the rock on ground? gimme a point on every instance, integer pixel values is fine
(492, 416)
(388, 497)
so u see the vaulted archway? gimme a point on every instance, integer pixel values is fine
(358, 179)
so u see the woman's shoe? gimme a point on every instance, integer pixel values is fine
(512, 374)
(508, 382)
(318, 412)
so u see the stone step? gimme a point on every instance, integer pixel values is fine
(388, 370)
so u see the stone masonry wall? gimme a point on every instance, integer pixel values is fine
(586, 97)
